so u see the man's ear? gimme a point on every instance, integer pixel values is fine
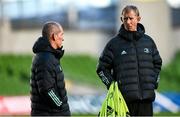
(121, 19)
(53, 37)
(139, 18)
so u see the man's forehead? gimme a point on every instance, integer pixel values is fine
(129, 15)
(129, 12)
(60, 27)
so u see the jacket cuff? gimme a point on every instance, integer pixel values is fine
(107, 81)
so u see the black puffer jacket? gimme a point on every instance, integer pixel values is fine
(48, 93)
(132, 59)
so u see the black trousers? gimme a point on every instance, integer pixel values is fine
(45, 113)
(140, 108)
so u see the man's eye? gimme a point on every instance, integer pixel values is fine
(126, 18)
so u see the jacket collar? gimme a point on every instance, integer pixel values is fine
(42, 45)
(132, 35)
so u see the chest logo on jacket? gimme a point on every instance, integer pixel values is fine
(123, 52)
(146, 50)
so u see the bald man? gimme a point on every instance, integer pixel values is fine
(48, 93)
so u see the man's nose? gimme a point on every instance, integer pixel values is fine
(128, 21)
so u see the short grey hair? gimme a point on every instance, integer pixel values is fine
(129, 8)
(50, 28)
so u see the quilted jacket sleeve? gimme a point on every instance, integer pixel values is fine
(104, 65)
(157, 61)
(46, 85)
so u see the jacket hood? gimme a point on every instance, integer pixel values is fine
(132, 35)
(42, 45)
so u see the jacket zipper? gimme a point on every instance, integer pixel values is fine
(139, 80)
